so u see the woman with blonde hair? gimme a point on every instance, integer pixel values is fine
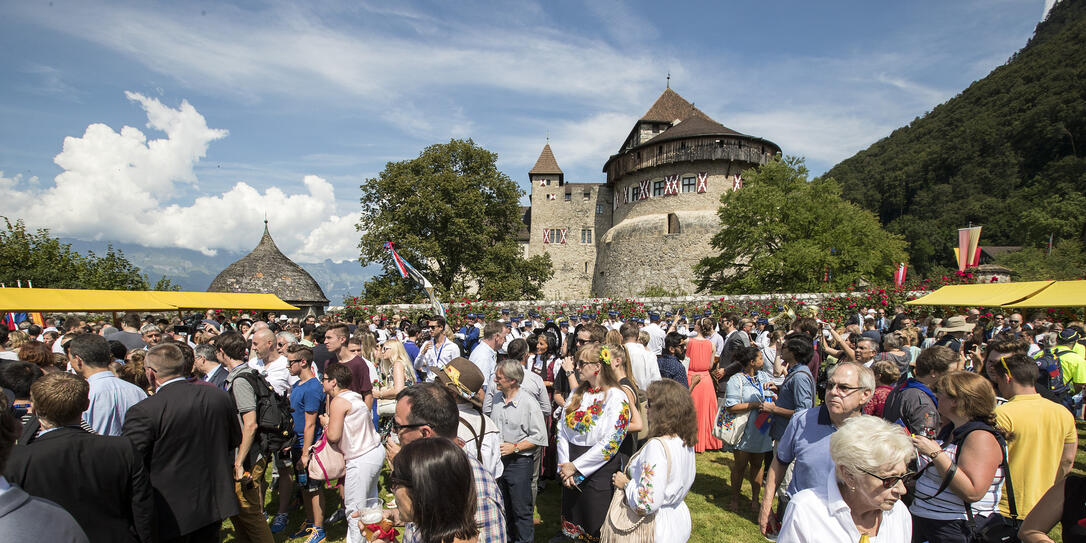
(661, 473)
(394, 372)
(613, 337)
(592, 427)
(971, 460)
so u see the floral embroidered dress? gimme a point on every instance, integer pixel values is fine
(589, 436)
(653, 490)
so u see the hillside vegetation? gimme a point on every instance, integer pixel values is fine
(1008, 153)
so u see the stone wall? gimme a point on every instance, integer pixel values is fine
(574, 306)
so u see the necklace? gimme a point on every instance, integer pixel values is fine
(593, 390)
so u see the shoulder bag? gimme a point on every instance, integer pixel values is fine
(625, 525)
(326, 463)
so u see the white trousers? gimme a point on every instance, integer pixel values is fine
(360, 484)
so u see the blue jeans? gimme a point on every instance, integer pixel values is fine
(516, 485)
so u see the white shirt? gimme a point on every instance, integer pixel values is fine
(276, 372)
(656, 338)
(436, 357)
(718, 343)
(8, 355)
(485, 359)
(644, 366)
(470, 419)
(820, 514)
(653, 488)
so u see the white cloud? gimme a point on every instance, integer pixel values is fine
(122, 186)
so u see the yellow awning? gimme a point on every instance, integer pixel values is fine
(223, 300)
(102, 301)
(1059, 294)
(70, 300)
(982, 295)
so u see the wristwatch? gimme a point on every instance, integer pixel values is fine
(516, 448)
(932, 455)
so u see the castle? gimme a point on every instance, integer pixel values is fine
(652, 220)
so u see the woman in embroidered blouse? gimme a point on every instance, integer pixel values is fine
(861, 500)
(745, 393)
(593, 425)
(660, 475)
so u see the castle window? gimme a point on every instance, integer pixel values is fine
(569, 196)
(587, 195)
(599, 209)
(586, 235)
(635, 193)
(689, 184)
(673, 224)
(658, 188)
(586, 266)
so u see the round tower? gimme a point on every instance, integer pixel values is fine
(667, 180)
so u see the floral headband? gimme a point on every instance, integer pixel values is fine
(605, 356)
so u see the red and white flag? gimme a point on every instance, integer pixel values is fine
(899, 275)
(738, 183)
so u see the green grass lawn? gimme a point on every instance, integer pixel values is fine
(708, 502)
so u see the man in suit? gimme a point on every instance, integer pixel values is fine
(207, 364)
(97, 479)
(185, 435)
(24, 517)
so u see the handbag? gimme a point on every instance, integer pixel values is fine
(622, 523)
(326, 463)
(729, 427)
(999, 528)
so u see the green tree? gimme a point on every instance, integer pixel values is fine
(1067, 261)
(783, 233)
(37, 258)
(453, 215)
(164, 283)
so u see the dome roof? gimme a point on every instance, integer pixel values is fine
(267, 270)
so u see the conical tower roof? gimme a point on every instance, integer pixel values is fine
(670, 107)
(267, 270)
(546, 164)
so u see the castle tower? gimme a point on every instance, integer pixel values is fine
(667, 179)
(564, 221)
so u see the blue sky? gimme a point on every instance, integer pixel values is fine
(234, 110)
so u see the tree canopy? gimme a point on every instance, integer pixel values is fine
(783, 233)
(37, 258)
(453, 215)
(1008, 153)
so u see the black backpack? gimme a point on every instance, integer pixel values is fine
(275, 425)
(1051, 377)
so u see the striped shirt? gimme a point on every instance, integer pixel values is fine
(947, 505)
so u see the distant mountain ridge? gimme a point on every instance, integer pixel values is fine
(193, 270)
(1008, 153)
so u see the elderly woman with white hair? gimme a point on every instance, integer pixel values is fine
(861, 500)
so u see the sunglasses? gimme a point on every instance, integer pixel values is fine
(395, 482)
(583, 364)
(890, 481)
(397, 427)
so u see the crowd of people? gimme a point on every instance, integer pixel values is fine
(158, 429)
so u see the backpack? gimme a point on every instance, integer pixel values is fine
(274, 422)
(1051, 377)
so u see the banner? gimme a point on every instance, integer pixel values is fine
(968, 241)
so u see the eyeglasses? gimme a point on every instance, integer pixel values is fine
(830, 385)
(890, 481)
(580, 364)
(296, 361)
(397, 427)
(436, 326)
(1015, 322)
(395, 482)
(580, 341)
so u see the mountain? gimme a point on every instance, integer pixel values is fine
(194, 270)
(1008, 153)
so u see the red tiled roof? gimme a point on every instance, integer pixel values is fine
(546, 163)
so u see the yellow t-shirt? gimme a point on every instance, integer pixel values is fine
(1072, 364)
(1041, 428)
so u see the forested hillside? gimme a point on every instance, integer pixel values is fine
(1008, 153)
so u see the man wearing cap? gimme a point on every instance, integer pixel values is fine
(1072, 364)
(656, 334)
(478, 435)
(954, 333)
